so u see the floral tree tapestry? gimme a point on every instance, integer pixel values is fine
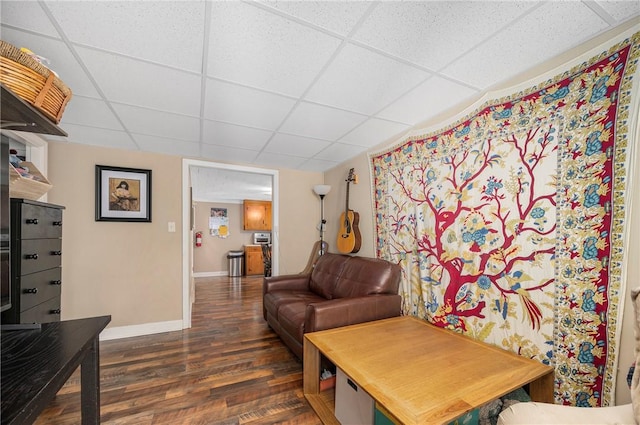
(508, 223)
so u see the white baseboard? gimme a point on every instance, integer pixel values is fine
(211, 274)
(139, 330)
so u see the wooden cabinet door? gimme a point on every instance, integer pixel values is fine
(253, 257)
(257, 215)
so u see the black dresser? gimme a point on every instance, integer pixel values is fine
(36, 260)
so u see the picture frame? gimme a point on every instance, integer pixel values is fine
(123, 194)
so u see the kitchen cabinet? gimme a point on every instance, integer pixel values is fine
(253, 260)
(257, 215)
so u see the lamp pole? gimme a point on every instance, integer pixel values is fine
(321, 190)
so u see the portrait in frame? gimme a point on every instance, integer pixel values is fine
(123, 194)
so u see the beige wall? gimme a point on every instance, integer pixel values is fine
(211, 257)
(361, 196)
(133, 271)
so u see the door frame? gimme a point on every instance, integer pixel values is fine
(187, 231)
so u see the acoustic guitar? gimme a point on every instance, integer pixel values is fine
(349, 235)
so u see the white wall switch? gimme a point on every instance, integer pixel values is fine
(172, 226)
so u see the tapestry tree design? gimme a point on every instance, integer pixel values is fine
(507, 223)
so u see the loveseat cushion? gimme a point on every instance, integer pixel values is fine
(326, 273)
(273, 301)
(291, 318)
(367, 276)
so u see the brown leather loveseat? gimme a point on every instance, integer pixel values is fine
(341, 290)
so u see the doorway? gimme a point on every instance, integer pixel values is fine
(187, 230)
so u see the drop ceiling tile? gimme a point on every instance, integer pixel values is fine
(430, 98)
(98, 137)
(433, 33)
(336, 16)
(228, 154)
(236, 104)
(621, 10)
(339, 152)
(362, 81)
(165, 32)
(61, 60)
(167, 145)
(373, 132)
(317, 165)
(320, 122)
(275, 160)
(90, 112)
(27, 15)
(158, 123)
(139, 83)
(254, 47)
(523, 45)
(217, 133)
(295, 145)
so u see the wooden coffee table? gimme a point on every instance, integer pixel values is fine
(418, 373)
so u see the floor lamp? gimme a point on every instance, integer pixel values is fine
(321, 190)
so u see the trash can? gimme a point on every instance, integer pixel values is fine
(235, 263)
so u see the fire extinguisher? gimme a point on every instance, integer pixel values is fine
(198, 239)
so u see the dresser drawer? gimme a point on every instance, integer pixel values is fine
(48, 311)
(38, 287)
(40, 222)
(40, 254)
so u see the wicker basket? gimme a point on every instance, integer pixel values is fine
(33, 82)
(21, 187)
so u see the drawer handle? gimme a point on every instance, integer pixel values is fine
(56, 282)
(30, 290)
(31, 256)
(55, 311)
(32, 221)
(56, 252)
(57, 223)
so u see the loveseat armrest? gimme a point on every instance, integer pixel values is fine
(291, 282)
(350, 311)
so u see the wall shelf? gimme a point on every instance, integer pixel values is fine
(18, 115)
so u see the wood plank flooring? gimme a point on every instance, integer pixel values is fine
(228, 369)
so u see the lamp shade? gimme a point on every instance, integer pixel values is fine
(321, 189)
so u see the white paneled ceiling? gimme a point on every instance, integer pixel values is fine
(295, 84)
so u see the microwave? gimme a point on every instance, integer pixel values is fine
(261, 238)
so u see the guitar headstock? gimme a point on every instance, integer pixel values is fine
(352, 177)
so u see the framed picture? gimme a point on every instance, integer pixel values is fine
(123, 194)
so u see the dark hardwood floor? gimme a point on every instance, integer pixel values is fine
(229, 368)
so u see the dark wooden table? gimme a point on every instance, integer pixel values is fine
(36, 363)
